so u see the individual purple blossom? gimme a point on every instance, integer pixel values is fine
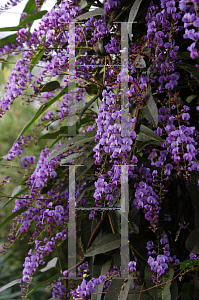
(27, 160)
(192, 256)
(132, 266)
(185, 116)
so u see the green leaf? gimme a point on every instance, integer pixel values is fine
(13, 28)
(190, 98)
(187, 291)
(46, 282)
(80, 171)
(132, 15)
(104, 270)
(134, 295)
(143, 145)
(162, 292)
(36, 59)
(107, 243)
(28, 19)
(124, 293)
(192, 242)
(69, 158)
(11, 296)
(85, 4)
(134, 219)
(174, 290)
(146, 135)
(16, 194)
(49, 87)
(85, 231)
(150, 111)
(77, 140)
(7, 286)
(183, 55)
(41, 110)
(83, 121)
(88, 187)
(87, 105)
(95, 12)
(189, 263)
(12, 216)
(8, 39)
(99, 49)
(141, 62)
(114, 289)
(30, 7)
(194, 188)
(191, 69)
(51, 264)
(92, 89)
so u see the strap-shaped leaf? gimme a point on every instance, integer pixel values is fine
(7, 286)
(87, 105)
(132, 15)
(150, 111)
(192, 242)
(36, 59)
(190, 98)
(189, 263)
(77, 140)
(12, 216)
(41, 110)
(146, 134)
(16, 193)
(51, 264)
(95, 12)
(8, 39)
(140, 62)
(137, 294)
(90, 186)
(30, 7)
(50, 86)
(27, 20)
(98, 289)
(46, 282)
(107, 243)
(191, 69)
(114, 289)
(162, 292)
(187, 291)
(124, 291)
(88, 163)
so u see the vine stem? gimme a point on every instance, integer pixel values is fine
(158, 285)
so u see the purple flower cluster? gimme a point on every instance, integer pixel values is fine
(44, 169)
(33, 261)
(159, 37)
(109, 131)
(110, 4)
(160, 264)
(27, 160)
(59, 290)
(87, 288)
(190, 17)
(9, 4)
(132, 266)
(146, 198)
(17, 148)
(18, 80)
